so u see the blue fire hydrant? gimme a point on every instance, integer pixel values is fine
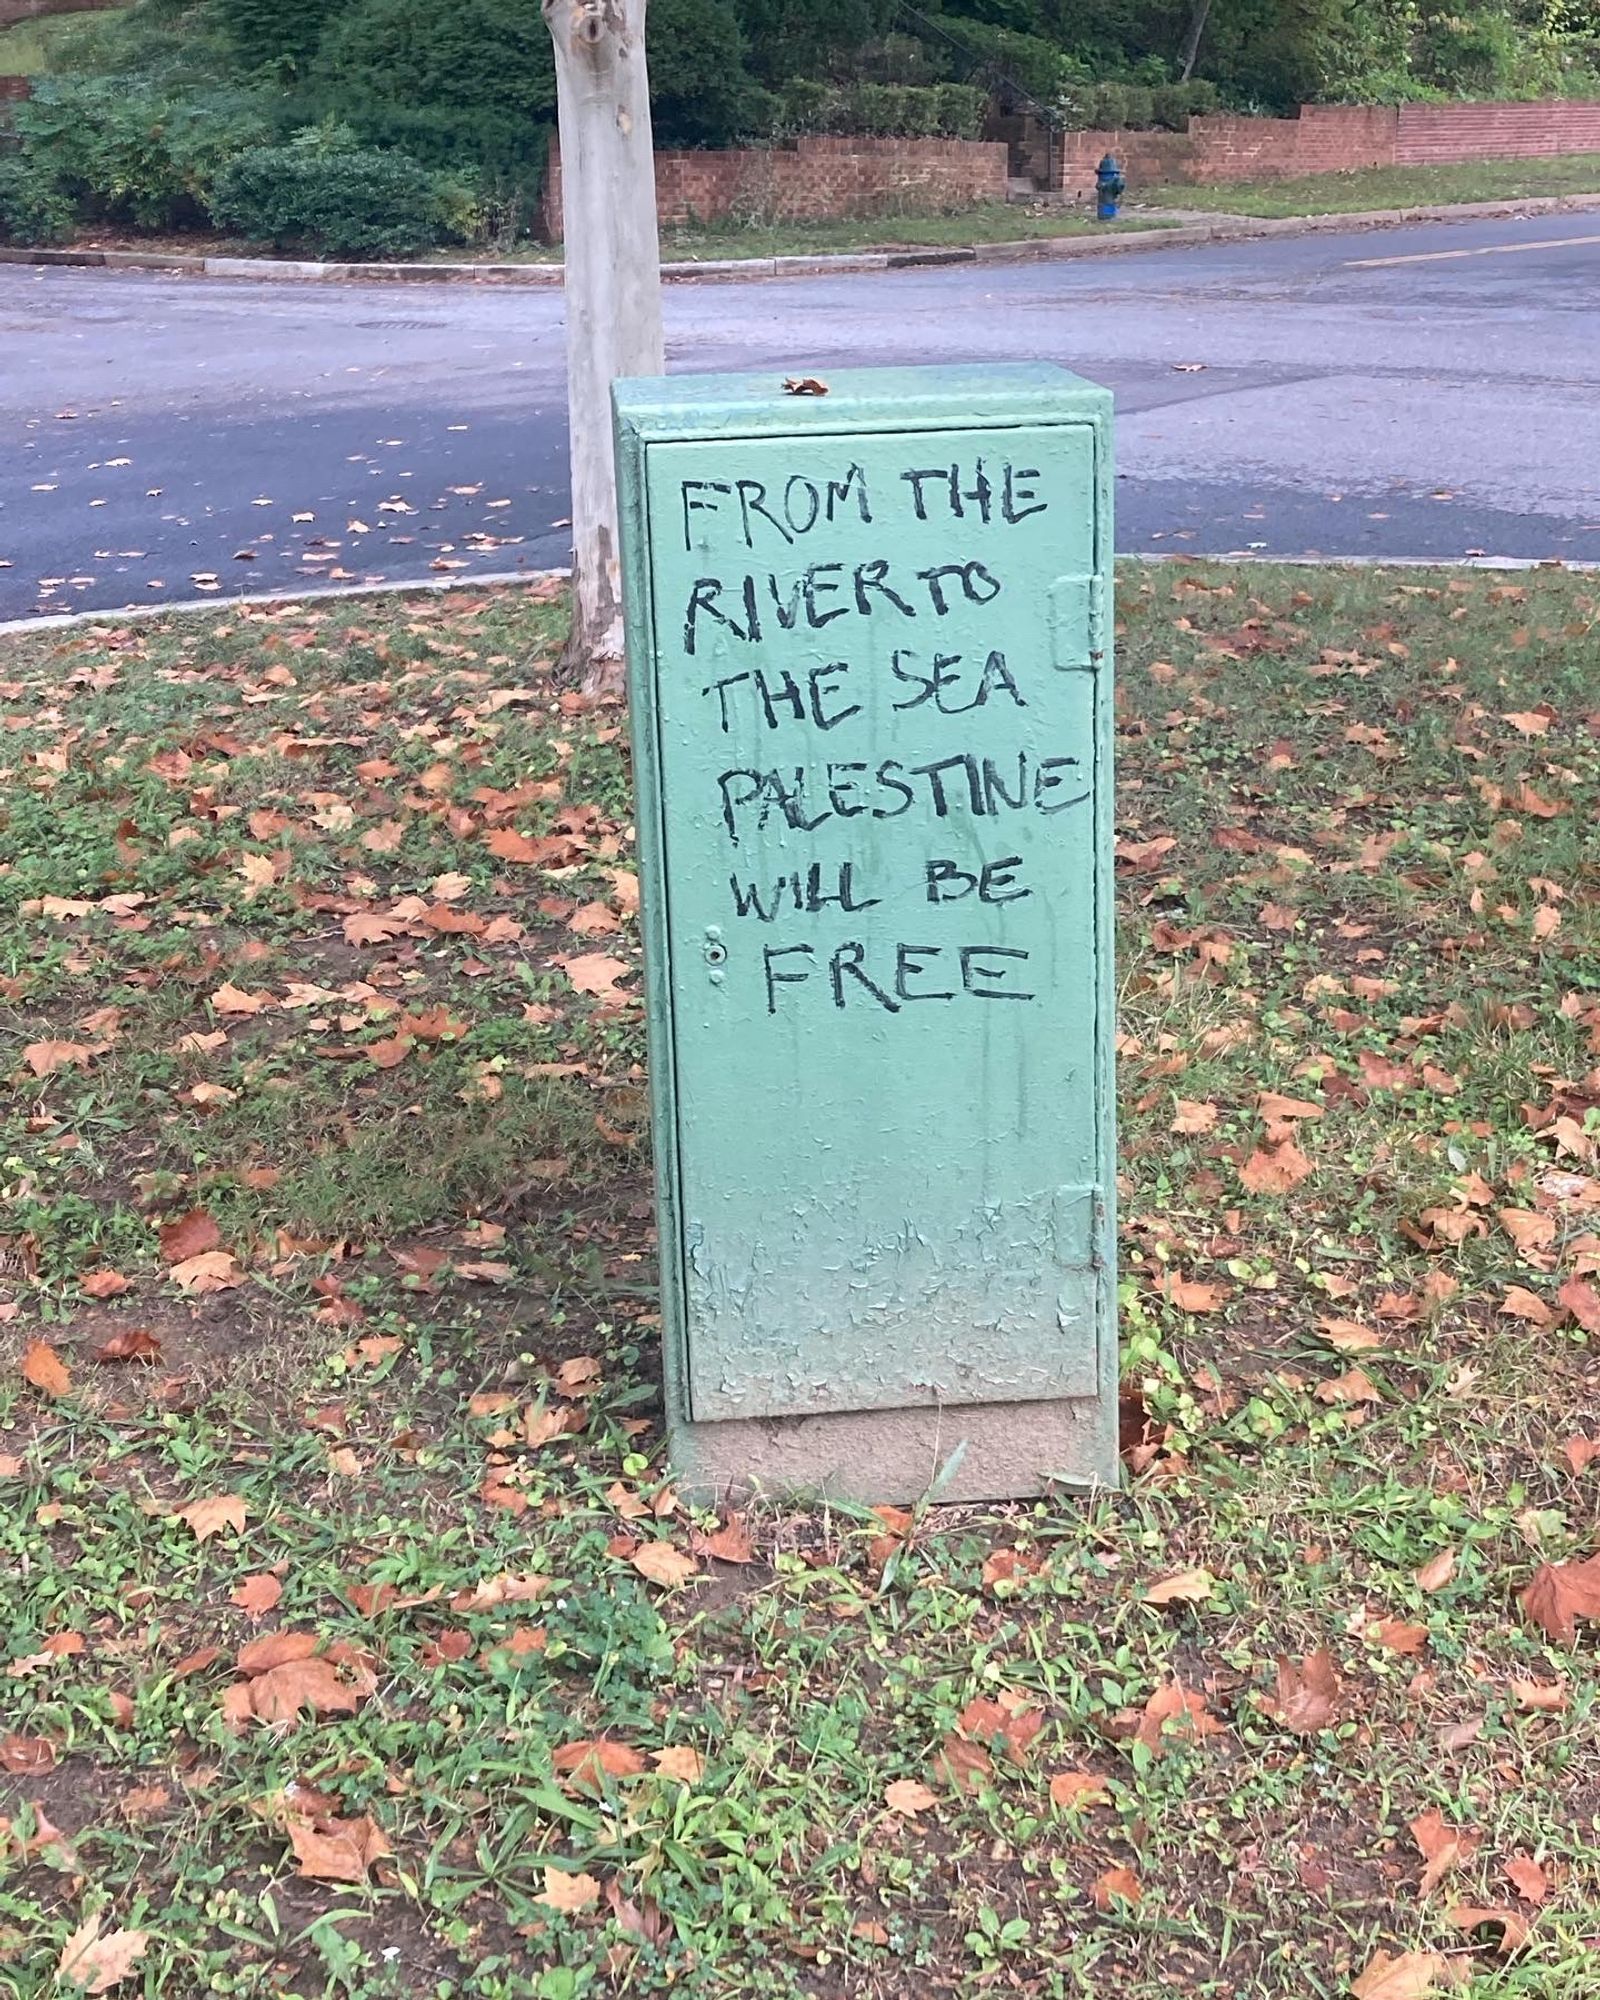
(1108, 188)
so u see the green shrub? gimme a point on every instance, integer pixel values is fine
(320, 194)
(882, 110)
(34, 208)
(475, 56)
(281, 35)
(129, 154)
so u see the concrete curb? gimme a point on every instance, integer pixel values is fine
(64, 621)
(1027, 250)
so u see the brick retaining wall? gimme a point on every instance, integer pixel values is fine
(817, 179)
(1329, 139)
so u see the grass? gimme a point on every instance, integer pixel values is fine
(403, 1341)
(1388, 187)
(33, 48)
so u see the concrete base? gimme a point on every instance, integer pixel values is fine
(992, 1451)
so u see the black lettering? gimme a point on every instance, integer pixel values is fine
(753, 500)
(699, 506)
(770, 954)
(786, 690)
(848, 959)
(840, 787)
(1013, 494)
(731, 801)
(847, 899)
(997, 674)
(719, 688)
(816, 677)
(839, 492)
(972, 970)
(993, 789)
(905, 967)
(907, 795)
(793, 802)
(934, 775)
(942, 873)
(914, 480)
(703, 597)
(747, 897)
(752, 616)
(911, 679)
(870, 576)
(973, 577)
(980, 492)
(788, 609)
(801, 527)
(1046, 781)
(995, 884)
(814, 585)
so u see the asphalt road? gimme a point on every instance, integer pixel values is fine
(1427, 392)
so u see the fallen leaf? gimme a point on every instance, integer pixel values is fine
(1275, 1169)
(1519, 1303)
(337, 1850)
(1560, 1594)
(191, 1236)
(1308, 1695)
(1190, 1117)
(1113, 1883)
(679, 1761)
(212, 1271)
(45, 1370)
(1075, 1791)
(1397, 1635)
(1411, 1976)
(1175, 1714)
(730, 1544)
(568, 1892)
(1188, 1586)
(93, 1962)
(1435, 1574)
(1527, 1878)
(257, 1595)
(284, 1693)
(1541, 1697)
(27, 1756)
(1514, 1928)
(1349, 1336)
(209, 1517)
(132, 1343)
(45, 1058)
(597, 974)
(1580, 1298)
(908, 1797)
(1441, 1846)
(104, 1284)
(232, 1000)
(1353, 1386)
(663, 1564)
(1191, 1295)
(593, 1759)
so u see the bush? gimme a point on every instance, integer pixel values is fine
(701, 93)
(33, 206)
(331, 198)
(282, 35)
(882, 110)
(135, 154)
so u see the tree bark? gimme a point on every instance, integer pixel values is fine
(1191, 41)
(613, 290)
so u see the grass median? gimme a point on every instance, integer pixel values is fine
(356, 1642)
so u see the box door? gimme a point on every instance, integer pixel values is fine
(876, 733)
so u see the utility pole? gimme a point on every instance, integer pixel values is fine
(613, 290)
(1191, 41)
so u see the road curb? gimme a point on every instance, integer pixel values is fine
(1024, 250)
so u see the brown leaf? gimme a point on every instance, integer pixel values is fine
(1541, 1697)
(94, 1963)
(1191, 1295)
(231, 1000)
(730, 1544)
(209, 1517)
(1188, 1586)
(1435, 1574)
(1514, 1928)
(1349, 1336)
(337, 1850)
(283, 1693)
(390, 1052)
(1113, 1883)
(191, 1236)
(257, 1595)
(1190, 1117)
(104, 1284)
(1279, 1109)
(965, 1767)
(27, 1756)
(1275, 1169)
(593, 1759)
(568, 1892)
(597, 974)
(1411, 1976)
(1522, 1304)
(679, 1761)
(1441, 1846)
(45, 1058)
(1527, 1878)
(1077, 1791)
(1308, 1696)
(211, 1271)
(663, 1564)
(44, 1368)
(908, 1797)
(1582, 1300)
(132, 1343)
(1175, 1714)
(1353, 1386)
(1560, 1594)
(1397, 1635)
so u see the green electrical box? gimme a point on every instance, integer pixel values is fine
(869, 636)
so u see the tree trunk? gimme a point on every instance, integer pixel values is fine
(1191, 41)
(613, 290)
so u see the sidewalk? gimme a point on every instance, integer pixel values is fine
(1051, 249)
